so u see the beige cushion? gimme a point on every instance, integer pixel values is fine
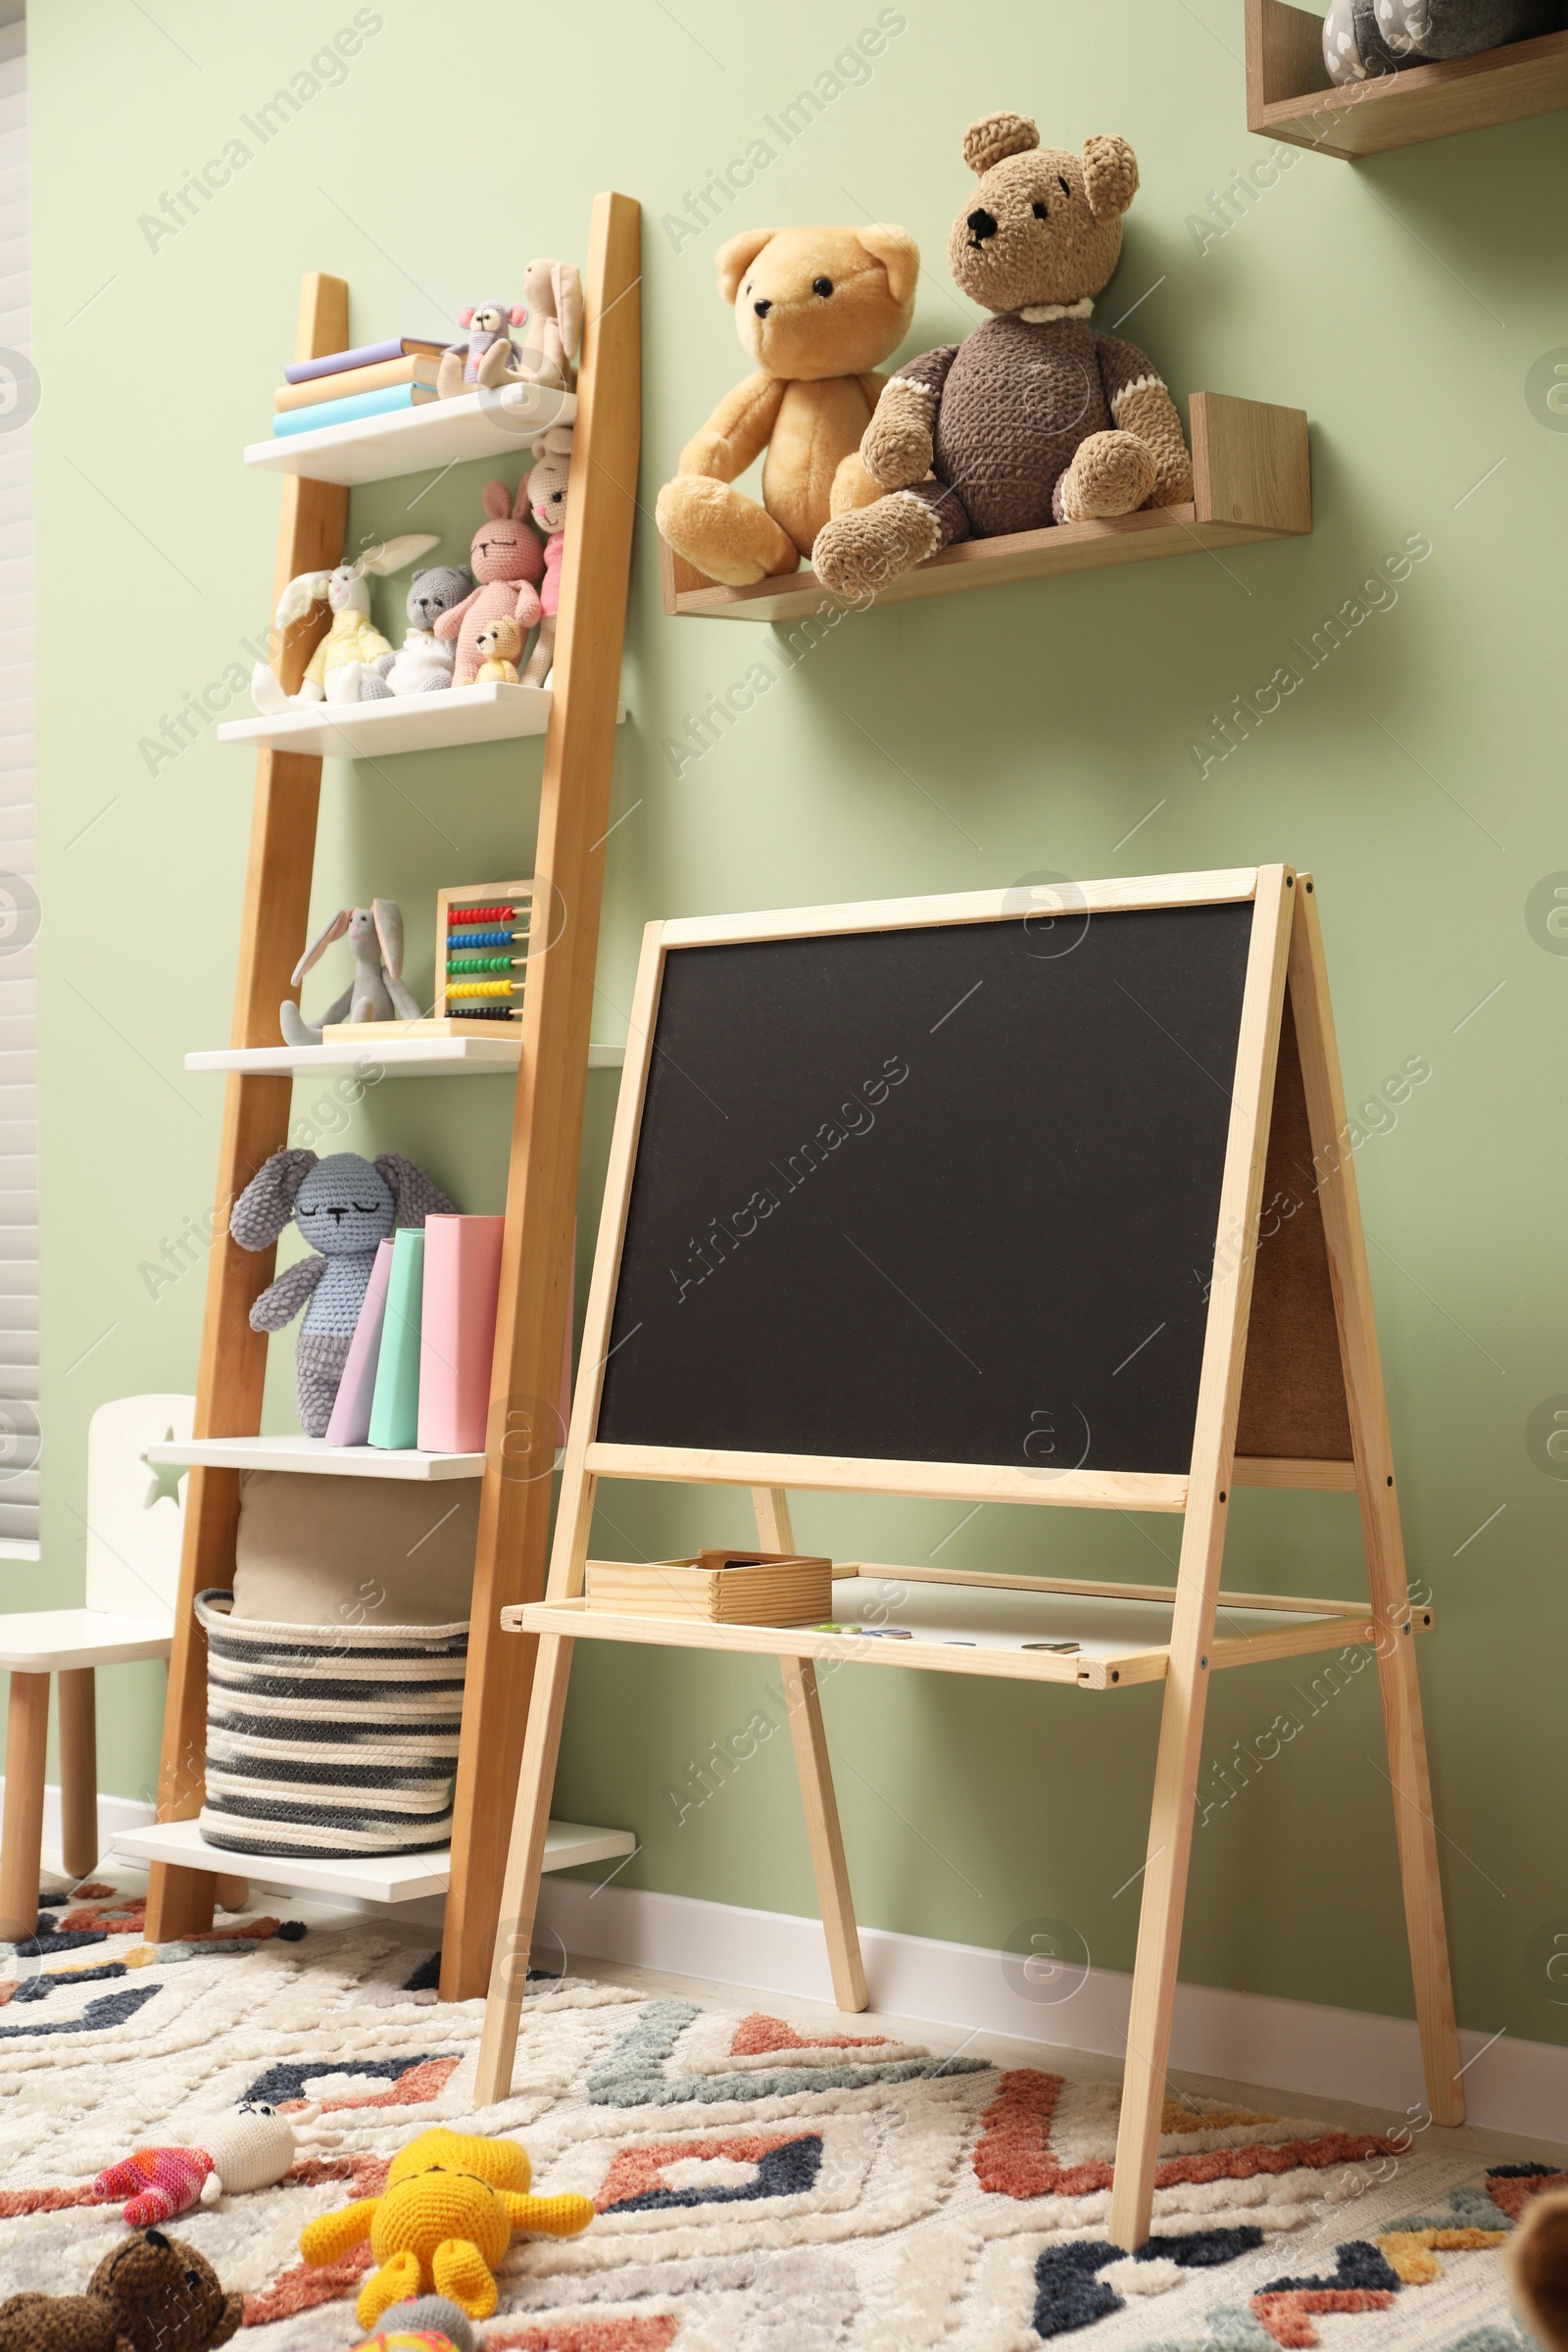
(368, 1552)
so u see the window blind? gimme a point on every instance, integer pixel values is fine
(18, 1013)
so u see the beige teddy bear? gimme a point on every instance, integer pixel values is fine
(1035, 418)
(498, 645)
(816, 308)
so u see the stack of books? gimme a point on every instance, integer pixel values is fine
(418, 1368)
(348, 385)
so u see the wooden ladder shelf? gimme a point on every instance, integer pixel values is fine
(547, 1126)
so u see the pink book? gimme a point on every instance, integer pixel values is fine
(458, 1332)
(350, 1424)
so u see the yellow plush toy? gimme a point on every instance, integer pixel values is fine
(443, 2223)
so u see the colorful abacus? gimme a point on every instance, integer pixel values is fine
(482, 951)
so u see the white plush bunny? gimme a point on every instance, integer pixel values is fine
(353, 643)
(376, 992)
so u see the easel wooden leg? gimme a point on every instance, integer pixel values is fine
(519, 1890)
(79, 1771)
(775, 1534)
(1381, 1531)
(22, 1844)
(1191, 1635)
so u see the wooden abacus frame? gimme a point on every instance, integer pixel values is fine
(1276, 1358)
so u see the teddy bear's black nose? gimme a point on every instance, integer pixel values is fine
(981, 224)
(761, 309)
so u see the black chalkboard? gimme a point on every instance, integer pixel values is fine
(946, 1194)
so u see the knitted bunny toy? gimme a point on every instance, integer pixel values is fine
(344, 1206)
(424, 666)
(335, 670)
(252, 2148)
(488, 358)
(547, 502)
(509, 562)
(376, 992)
(554, 292)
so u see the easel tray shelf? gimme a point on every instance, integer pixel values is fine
(372, 1878)
(436, 434)
(1289, 94)
(1119, 1641)
(399, 1058)
(1252, 481)
(295, 1451)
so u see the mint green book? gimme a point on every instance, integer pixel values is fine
(395, 1406)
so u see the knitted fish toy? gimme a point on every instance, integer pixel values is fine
(253, 2148)
(444, 2223)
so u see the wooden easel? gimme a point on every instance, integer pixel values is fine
(547, 1124)
(1299, 1377)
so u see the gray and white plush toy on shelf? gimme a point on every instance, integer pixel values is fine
(1364, 38)
(346, 656)
(376, 992)
(427, 661)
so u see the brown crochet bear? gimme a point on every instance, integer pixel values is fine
(1034, 419)
(816, 308)
(1538, 2262)
(151, 2293)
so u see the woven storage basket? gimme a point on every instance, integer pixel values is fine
(329, 1739)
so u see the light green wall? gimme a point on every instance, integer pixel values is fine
(1418, 772)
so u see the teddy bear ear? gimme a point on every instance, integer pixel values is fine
(1111, 175)
(736, 255)
(996, 137)
(898, 253)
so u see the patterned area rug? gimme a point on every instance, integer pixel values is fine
(757, 2191)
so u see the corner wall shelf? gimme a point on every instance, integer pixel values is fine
(399, 1058)
(372, 1878)
(294, 1451)
(1289, 94)
(1253, 481)
(438, 433)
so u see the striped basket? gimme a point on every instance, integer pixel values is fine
(329, 1739)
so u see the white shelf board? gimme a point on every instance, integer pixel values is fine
(409, 722)
(438, 433)
(295, 1451)
(399, 1058)
(406, 722)
(372, 1879)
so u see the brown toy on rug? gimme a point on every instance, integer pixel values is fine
(816, 308)
(151, 2295)
(1035, 418)
(1538, 2260)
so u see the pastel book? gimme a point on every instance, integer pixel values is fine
(395, 1405)
(364, 355)
(381, 375)
(350, 1424)
(458, 1335)
(354, 410)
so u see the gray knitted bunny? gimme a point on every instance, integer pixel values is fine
(376, 992)
(345, 1206)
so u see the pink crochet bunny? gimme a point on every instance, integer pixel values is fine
(507, 562)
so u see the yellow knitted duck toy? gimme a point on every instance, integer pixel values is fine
(443, 2223)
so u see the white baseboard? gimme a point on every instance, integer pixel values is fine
(1240, 2036)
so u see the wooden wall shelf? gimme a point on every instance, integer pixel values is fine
(1289, 94)
(296, 1452)
(1253, 481)
(407, 722)
(399, 1058)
